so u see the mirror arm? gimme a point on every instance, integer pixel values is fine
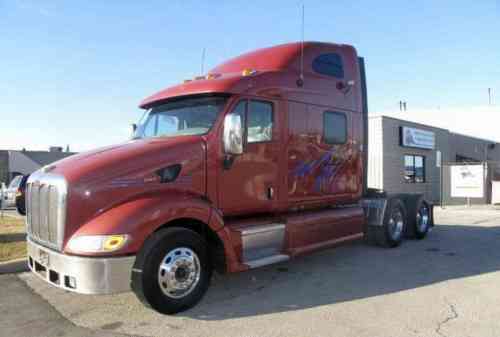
(228, 161)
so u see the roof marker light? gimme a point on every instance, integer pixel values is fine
(248, 72)
(212, 76)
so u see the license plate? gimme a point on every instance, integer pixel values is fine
(43, 258)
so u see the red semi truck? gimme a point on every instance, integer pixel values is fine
(261, 160)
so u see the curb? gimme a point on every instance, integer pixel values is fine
(14, 266)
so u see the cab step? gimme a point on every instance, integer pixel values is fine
(267, 260)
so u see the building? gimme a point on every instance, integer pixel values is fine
(408, 157)
(13, 163)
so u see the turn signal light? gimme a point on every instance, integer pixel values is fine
(114, 242)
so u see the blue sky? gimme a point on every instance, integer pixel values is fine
(73, 72)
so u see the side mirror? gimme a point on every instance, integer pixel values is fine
(233, 134)
(134, 128)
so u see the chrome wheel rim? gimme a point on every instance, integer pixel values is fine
(423, 219)
(179, 272)
(396, 223)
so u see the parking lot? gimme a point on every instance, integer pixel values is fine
(446, 285)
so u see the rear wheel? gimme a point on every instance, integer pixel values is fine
(390, 234)
(172, 272)
(419, 218)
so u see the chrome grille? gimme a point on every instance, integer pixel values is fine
(46, 208)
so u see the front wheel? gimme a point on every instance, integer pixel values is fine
(172, 271)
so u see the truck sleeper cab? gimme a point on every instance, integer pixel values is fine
(254, 163)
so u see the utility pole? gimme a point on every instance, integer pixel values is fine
(203, 61)
(402, 105)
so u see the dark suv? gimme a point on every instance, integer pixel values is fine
(21, 195)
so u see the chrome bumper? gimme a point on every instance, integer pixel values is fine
(85, 275)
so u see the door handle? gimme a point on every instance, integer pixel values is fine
(270, 193)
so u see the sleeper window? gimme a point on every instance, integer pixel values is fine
(329, 64)
(334, 128)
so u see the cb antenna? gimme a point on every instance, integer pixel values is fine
(300, 81)
(203, 61)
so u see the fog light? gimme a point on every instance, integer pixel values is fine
(70, 282)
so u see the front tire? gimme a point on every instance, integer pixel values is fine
(172, 271)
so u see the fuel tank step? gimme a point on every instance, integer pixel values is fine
(262, 242)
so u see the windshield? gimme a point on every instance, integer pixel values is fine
(190, 116)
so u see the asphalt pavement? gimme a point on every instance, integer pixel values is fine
(445, 285)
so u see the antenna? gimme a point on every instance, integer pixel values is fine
(300, 81)
(203, 61)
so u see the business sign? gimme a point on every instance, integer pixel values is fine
(422, 139)
(495, 198)
(467, 181)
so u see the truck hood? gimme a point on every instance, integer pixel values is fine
(105, 178)
(133, 157)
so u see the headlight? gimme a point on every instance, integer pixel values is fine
(97, 243)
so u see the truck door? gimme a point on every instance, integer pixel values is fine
(250, 183)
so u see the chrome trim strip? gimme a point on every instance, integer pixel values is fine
(267, 260)
(262, 229)
(92, 275)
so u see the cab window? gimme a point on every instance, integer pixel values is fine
(259, 121)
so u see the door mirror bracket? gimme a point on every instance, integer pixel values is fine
(228, 161)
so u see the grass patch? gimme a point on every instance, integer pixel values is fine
(11, 225)
(12, 250)
(12, 243)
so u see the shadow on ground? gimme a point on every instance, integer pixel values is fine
(352, 272)
(13, 237)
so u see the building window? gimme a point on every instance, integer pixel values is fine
(334, 128)
(259, 122)
(329, 65)
(414, 169)
(464, 159)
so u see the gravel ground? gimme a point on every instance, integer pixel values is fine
(445, 285)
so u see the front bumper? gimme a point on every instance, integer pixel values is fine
(85, 275)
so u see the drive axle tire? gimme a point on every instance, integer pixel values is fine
(419, 218)
(391, 234)
(172, 271)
